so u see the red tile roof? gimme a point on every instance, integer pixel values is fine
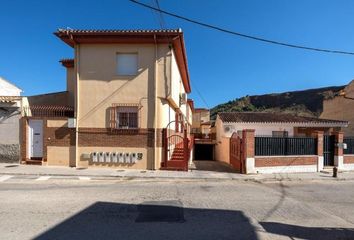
(67, 62)
(260, 117)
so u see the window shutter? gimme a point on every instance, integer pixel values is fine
(113, 120)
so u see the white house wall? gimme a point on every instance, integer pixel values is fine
(8, 89)
(260, 129)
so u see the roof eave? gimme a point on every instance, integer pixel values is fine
(298, 124)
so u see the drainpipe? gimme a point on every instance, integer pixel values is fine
(77, 157)
(155, 106)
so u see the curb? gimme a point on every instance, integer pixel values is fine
(118, 177)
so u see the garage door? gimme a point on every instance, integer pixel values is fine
(204, 152)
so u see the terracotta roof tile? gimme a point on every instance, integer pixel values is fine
(119, 30)
(260, 117)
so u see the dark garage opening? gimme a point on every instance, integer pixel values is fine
(204, 152)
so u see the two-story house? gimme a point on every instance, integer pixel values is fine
(125, 105)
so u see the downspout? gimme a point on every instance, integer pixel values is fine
(77, 157)
(155, 106)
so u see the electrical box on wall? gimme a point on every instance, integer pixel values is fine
(72, 123)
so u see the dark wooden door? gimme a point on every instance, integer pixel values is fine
(328, 150)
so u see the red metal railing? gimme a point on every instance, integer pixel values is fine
(177, 150)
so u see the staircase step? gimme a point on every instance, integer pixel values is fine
(33, 162)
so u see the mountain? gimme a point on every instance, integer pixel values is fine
(301, 103)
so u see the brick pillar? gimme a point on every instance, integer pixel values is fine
(23, 139)
(338, 150)
(248, 150)
(320, 161)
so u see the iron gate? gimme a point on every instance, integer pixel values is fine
(328, 150)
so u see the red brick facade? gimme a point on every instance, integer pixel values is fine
(348, 159)
(105, 137)
(285, 161)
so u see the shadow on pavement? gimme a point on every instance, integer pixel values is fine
(214, 166)
(308, 233)
(152, 220)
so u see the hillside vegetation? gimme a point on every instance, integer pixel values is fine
(303, 103)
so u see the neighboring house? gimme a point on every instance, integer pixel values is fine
(341, 107)
(126, 98)
(280, 137)
(10, 113)
(201, 120)
(204, 138)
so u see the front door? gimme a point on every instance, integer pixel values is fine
(35, 138)
(328, 150)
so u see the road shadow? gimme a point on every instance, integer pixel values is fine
(213, 166)
(152, 220)
(308, 233)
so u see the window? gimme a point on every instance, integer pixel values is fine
(280, 134)
(127, 64)
(127, 117)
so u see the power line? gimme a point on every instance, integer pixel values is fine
(241, 34)
(201, 96)
(162, 21)
(162, 25)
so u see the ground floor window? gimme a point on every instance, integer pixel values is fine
(127, 117)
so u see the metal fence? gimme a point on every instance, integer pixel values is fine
(350, 145)
(282, 146)
(48, 111)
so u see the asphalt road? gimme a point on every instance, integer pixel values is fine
(32, 208)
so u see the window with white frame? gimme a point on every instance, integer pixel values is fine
(127, 117)
(127, 64)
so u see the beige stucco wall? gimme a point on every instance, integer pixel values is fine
(57, 99)
(200, 116)
(100, 86)
(141, 164)
(60, 156)
(57, 123)
(222, 147)
(71, 85)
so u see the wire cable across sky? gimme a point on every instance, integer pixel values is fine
(241, 34)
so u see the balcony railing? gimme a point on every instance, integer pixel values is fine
(48, 111)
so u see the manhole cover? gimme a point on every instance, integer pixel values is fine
(160, 211)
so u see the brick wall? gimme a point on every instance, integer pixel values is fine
(348, 159)
(102, 137)
(285, 161)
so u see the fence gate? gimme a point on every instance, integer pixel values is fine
(236, 153)
(328, 150)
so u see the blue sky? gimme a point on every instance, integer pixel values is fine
(222, 67)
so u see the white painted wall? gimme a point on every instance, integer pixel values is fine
(260, 128)
(8, 89)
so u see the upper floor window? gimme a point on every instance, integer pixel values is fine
(127, 117)
(127, 64)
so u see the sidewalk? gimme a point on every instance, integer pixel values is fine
(107, 173)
